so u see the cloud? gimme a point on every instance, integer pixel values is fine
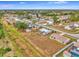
(22, 2)
(50, 2)
(6, 5)
(57, 2)
(60, 2)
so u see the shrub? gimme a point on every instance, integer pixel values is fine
(7, 49)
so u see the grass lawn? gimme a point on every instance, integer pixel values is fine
(71, 38)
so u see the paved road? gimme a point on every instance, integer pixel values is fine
(63, 49)
(75, 35)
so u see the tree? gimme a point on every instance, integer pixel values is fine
(7, 49)
(19, 13)
(29, 17)
(55, 18)
(21, 25)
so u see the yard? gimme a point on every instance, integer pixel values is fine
(43, 43)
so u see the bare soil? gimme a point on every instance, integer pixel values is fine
(47, 45)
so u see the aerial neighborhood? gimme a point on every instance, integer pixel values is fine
(39, 33)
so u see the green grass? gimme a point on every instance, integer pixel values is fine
(73, 31)
(71, 38)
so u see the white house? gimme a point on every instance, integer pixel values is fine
(45, 22)
(50, 22)
(45, 31)
(71, 26)
(76, 24)
(67, 27)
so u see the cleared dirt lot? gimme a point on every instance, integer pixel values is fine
(43, 43)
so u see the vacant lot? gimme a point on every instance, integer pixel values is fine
(43, 43)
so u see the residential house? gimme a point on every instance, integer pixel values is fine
(72, 26)
(60, 38)
(33, 26)
(73, 50)
(66, 54)
(45, 22)
(67, 27)
(45, 31)
(64, 17)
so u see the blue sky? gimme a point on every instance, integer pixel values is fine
(39, 5)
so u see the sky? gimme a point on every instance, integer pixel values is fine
(39, 5)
